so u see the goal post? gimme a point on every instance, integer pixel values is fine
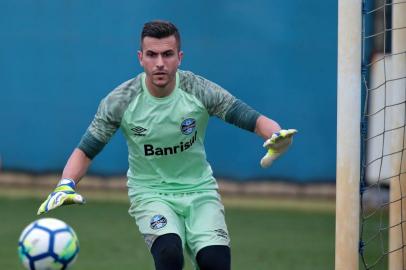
(371, 159)
(348, 134)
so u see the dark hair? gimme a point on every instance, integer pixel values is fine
(160, 29)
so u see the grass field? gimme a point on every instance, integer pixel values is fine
(275, 234)
(266, 234)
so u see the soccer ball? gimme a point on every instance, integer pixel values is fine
(48, 244)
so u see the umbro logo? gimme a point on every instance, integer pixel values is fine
(139, 131)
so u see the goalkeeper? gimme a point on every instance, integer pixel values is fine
(163, 114)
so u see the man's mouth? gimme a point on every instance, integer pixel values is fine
(159, 73)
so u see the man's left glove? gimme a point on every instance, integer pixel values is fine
(63, 194)
(277, 145)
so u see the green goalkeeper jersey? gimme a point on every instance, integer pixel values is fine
(165, 136)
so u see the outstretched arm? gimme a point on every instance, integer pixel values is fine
(221, 103)
(65, 193)
(105, 123)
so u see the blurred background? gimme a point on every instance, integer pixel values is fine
(59, 58)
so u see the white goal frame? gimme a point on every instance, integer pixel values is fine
(349, 135)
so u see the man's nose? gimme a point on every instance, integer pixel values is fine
(159, 61)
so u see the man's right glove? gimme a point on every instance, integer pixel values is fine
(277, 145)
(63, 194)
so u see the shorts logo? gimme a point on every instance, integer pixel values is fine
(188, 126)
(158, 222)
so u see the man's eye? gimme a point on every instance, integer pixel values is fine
(168, 54)
(151, 54)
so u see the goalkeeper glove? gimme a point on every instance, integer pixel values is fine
(277, 145)
(63, 194)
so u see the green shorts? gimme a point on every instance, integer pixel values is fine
(198, 218)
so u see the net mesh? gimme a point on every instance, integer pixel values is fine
(383, 168)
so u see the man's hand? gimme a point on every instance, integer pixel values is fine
(277, 145)
(63, 194)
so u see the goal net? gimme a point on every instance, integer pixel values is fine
(383, 153)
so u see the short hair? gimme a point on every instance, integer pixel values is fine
(160, 29)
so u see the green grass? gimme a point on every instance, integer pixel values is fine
(265, 234)
(275, 234)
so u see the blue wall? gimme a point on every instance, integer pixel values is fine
(59, 58)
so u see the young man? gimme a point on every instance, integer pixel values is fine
(163, 114)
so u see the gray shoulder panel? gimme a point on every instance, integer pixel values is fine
(216, 99)
(111, 109)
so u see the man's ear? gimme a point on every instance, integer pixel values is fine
(180, 57)
(139, 54)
